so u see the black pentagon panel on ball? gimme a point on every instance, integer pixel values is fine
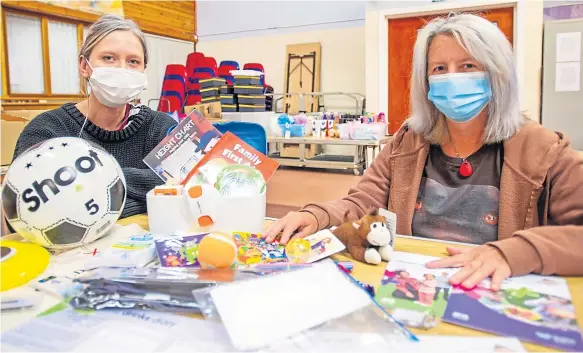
(9, 202)
(117, 194)
(65, 233)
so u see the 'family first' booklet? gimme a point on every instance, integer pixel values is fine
(176, 155)
(232, 161)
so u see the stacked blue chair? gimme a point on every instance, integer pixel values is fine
(232, 63)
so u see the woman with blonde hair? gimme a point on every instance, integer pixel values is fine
(469, 167)
(112, 60)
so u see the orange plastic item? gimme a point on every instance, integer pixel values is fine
(170, 191)
(195, 192)
(205, 221)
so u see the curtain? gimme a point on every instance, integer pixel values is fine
(63, 52)
(162, 51)
(25, 55)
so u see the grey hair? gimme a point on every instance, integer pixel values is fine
(487, 45)
(106, 25)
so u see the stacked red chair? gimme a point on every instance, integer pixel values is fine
(207, 68)
(225, 70)
(173, 94)
(193, 60)
(253, 66)
(256, 67)
(210, 62)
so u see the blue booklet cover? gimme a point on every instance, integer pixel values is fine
(532, 308)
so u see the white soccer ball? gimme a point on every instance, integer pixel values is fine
(63, 192)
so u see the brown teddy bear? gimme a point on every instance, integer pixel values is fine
(368, 239)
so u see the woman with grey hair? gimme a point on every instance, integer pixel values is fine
(112, 60)
(468, 166)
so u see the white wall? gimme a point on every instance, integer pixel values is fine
(259, 30)
(219, 20)
(527, 45)
(342, 58)
(162, 51)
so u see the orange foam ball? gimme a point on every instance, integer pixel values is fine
(217, 250)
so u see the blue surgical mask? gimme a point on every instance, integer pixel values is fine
(460, 96)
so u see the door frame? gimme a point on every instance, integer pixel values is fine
(384, 15)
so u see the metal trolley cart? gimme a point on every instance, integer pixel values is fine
(304, 154)
(364, 154)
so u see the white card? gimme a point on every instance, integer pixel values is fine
(391, 223)
(323, 244)
(258, 312)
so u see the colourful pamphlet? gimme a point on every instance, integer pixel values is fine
(415, 295)
(233, 167)
(252, 250)
(179, 251)
(176, 155)
(532, 308)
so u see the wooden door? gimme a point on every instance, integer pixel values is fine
(402, 35)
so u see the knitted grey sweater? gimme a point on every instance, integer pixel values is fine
(129, 146)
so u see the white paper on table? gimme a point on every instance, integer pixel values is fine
(568, 47)
(258, 312)
(568, 77)
(116, 331)
(454, 344)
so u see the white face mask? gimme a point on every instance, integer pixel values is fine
(115, 86)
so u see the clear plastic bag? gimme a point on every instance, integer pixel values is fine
(369, 329)
(161, 289)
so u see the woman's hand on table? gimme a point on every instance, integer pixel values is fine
(303, 222)
(476, 265)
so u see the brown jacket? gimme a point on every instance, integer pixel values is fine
(540, 226)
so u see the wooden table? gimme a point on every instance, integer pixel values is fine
(372, 275)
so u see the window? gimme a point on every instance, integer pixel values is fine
(63, 51)
(25, 55)
(41, 55)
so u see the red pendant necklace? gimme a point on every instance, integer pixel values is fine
(466, 168)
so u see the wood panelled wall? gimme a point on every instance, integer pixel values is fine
(175, 19)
